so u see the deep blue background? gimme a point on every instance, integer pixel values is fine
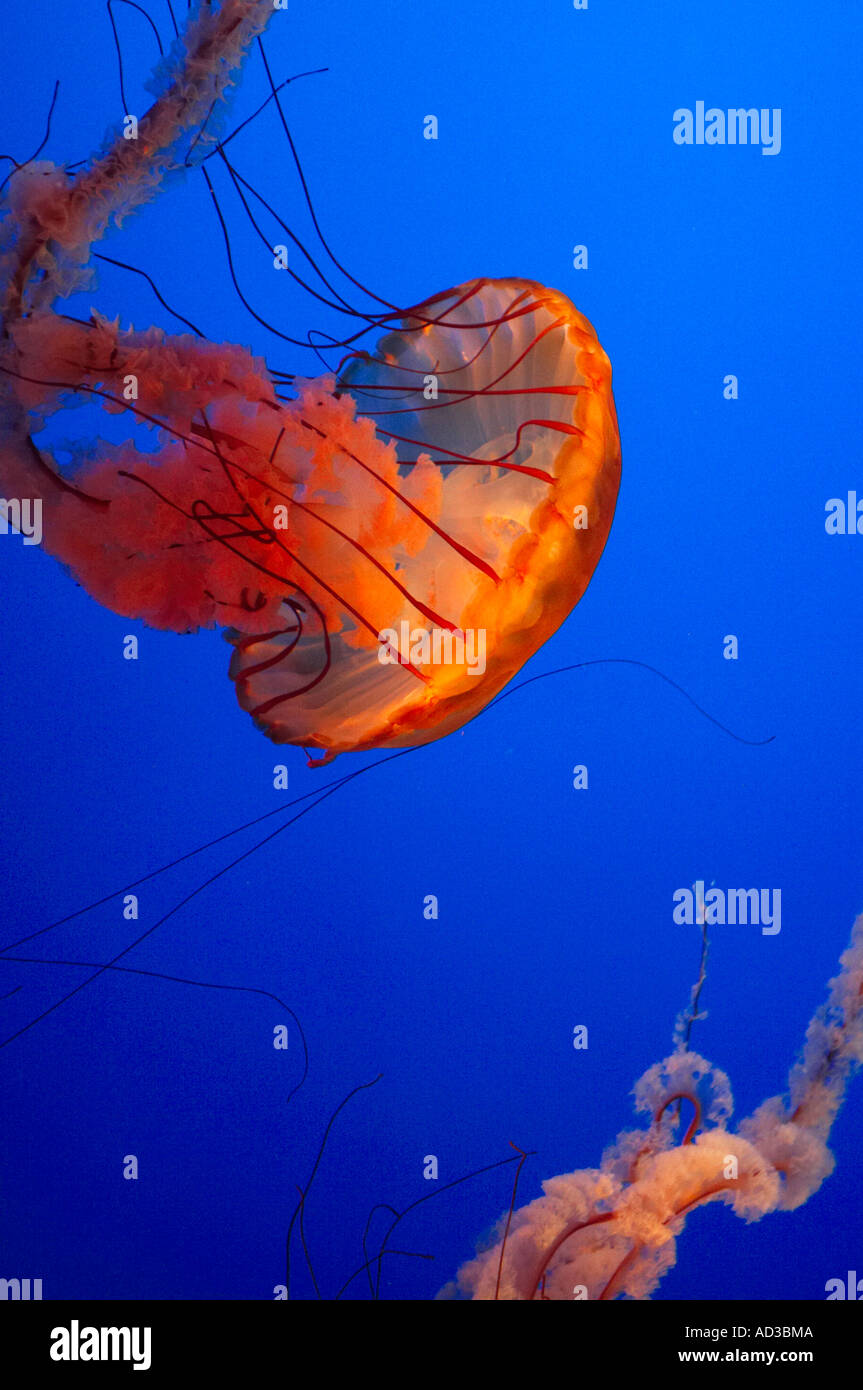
(555, 905)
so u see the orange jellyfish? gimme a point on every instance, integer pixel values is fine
(384, 549)
(611, 1232)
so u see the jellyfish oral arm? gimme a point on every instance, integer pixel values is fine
(60, 220)
(611, 1232)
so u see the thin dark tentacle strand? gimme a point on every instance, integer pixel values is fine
(177, 980)
(509, 1214)
(644, 666)
(134, 6)
(136, 270)
(428, 1197)
(36, 153)
(304, 1192)
(156, 925)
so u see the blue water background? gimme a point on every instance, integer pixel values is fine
(555, 904)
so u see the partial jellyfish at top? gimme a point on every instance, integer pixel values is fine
(384, 545)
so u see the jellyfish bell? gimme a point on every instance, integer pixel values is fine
(385, 549)
(494, 437)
